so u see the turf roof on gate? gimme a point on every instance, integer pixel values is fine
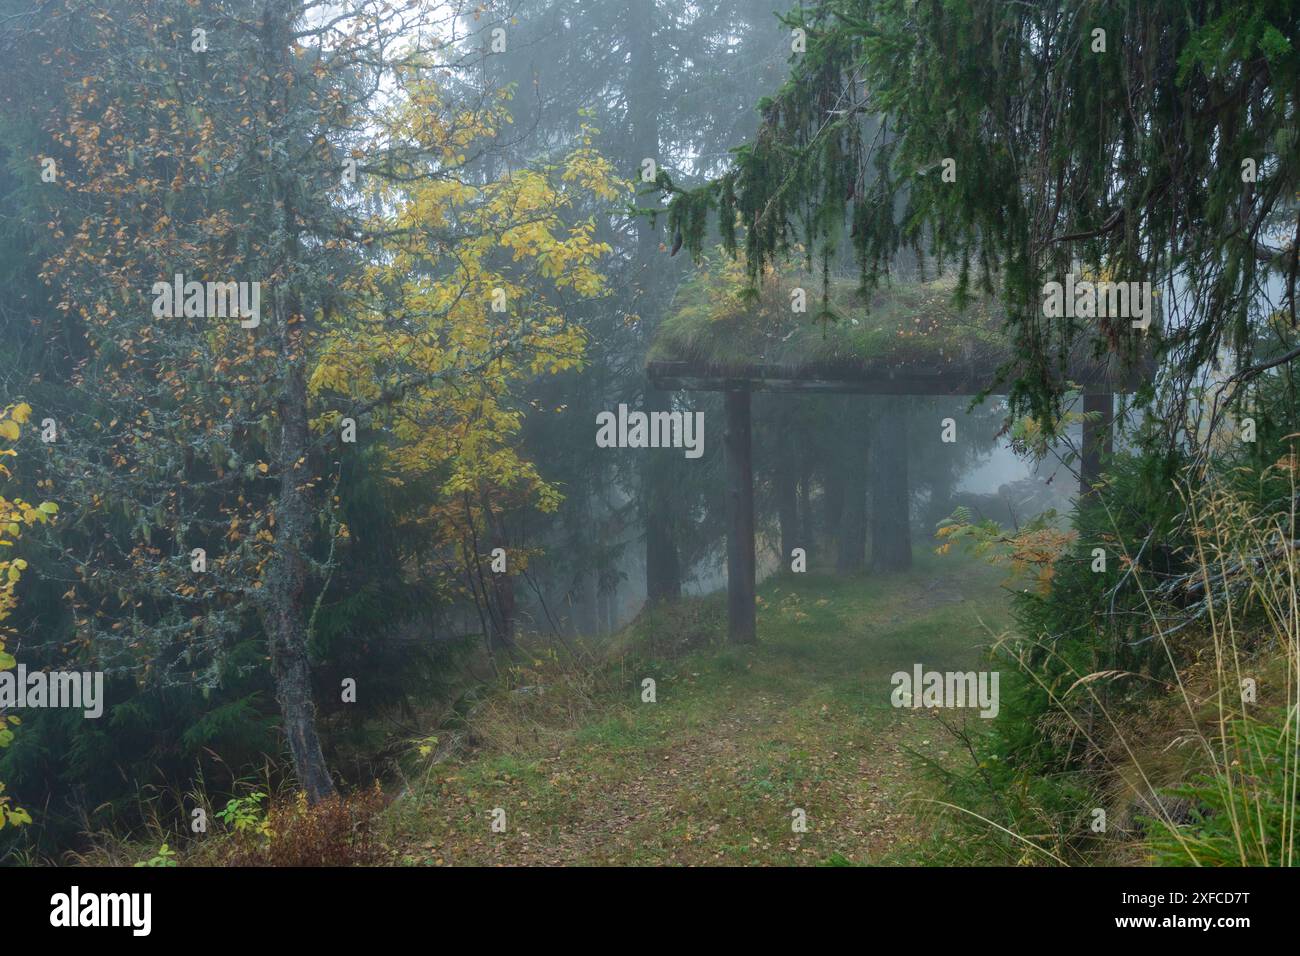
(901, 327)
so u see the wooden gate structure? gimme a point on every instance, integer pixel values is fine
(970, 372)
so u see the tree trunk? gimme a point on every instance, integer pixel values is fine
(611, 609)
(940, 505)
(787, 509)
(805, 507)
(287, 574)
(891, 534)
(832, 502)
(658, 500)
(501, 630)
(740, 521)
(663, 570)
(286, 578)
(588, 610)
(658, 507)
(499, 587)
(853, 529)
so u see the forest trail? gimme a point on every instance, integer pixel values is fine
(737, 740)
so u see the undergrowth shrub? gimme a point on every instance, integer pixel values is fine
(1123, 734)
(1243, 812)
(337, 831)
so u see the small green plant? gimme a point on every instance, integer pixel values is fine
(1243, 809)
(16, 816)
(164, 857)
(245, 815)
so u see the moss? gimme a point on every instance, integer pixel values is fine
(715, 320)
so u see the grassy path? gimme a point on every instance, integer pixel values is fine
(737, 740)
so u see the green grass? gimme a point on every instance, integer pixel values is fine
(902, 324)
(737, 739)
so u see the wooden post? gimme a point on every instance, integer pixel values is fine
(740, 521)
(1098, 438)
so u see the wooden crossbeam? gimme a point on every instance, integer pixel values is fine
(954, 379)
(1099, 382)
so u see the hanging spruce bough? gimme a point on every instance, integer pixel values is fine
(1023, 142)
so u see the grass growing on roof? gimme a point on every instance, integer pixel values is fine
(716, 320)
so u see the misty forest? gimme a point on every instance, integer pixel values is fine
(649, 432)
